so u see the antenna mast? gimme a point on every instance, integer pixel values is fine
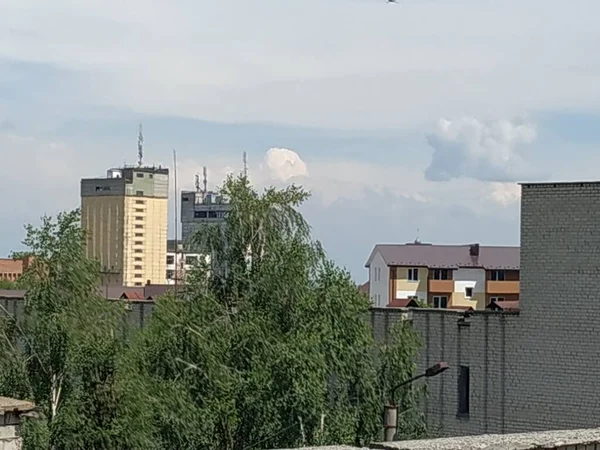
(245, 159)
(204, 180)
(197, 182)
(140, 146)
(176, 212)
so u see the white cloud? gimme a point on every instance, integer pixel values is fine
(505, 194)
(468, 148)
(265, 59)
(285, 164)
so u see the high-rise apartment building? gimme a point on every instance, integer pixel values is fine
(199, 208)
(125, 216)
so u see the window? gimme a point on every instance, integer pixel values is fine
(139, 218)
(185, 199)
(137, 259)
(139, 175)
(140, 202)
(137, 284)
(496, 299)
(413, 274)
(138, 226)
(469, 292)
(137, 275)
(463, 391)
(137, 267)
(139, 193)
(138, 250)
(138, 243)
(497, 275)
(440, 301)
(170, 259)
(139, 234)
(200, 214)
(190, 260)
(139, 210)
(150, 176)
(379, 274)
(170, 274)
(441, 274)
(212, 214)
(102, 188)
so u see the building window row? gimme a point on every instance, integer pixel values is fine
(413, 274)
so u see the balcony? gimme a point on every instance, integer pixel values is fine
(441, 286)
(502, 287)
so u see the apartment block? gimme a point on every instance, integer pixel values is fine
(12, 269)
(443, 276)
(179, 261)
(199, 208)
(125, 216)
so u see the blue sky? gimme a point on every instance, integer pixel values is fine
(403, 120)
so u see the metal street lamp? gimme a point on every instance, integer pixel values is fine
(390, 420)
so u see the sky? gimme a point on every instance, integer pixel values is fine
(409, 120)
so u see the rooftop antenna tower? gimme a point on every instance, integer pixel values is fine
(245, 159)
(204, 180)
(140, 146)
(197, 182)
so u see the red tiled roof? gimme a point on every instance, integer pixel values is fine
(403, 303)
(504, 305)
(132, 295)
(448, 256)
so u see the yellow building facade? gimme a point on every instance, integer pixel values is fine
(125, 219)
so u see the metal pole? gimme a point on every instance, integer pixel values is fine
(390, 422)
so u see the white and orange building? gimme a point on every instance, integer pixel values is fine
(443, 276)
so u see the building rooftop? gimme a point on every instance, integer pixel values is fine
(519, 441)
(10, 405)
(449, 256)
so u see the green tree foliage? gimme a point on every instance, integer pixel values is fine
(63, 355)
(7, 284)
(397, 365)
(269, 345)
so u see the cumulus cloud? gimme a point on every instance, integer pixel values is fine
(468, 148)
(505, 194)
(284, 164)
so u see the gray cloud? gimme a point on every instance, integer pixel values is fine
(468, 148)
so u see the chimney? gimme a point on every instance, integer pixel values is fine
(474, 250)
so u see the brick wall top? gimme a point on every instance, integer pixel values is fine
(520, 441)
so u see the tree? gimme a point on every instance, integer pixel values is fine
(65, 351)
(268, 346)
(7, 284)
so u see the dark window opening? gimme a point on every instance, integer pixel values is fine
(139, 226)
(140, 175)
(137, 275)
(469, 292)
(139, 193)
(463, 390)
(189, 260)
(137, 284)
(440, 302)
(212, 214)
(170, 274)
(150, 176)
(441, 274)
(413, 274)
(170, 259)
(200, 214)
(185, 199)
(497, 275)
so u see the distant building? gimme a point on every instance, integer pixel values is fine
(125, 216)
(12, 269)
(179, 261)
(443, 276)
(200, 208)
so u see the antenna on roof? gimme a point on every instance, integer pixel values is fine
(204, 179)
(417, 241)
(197, 182)
(245, 159)
(140, 146)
